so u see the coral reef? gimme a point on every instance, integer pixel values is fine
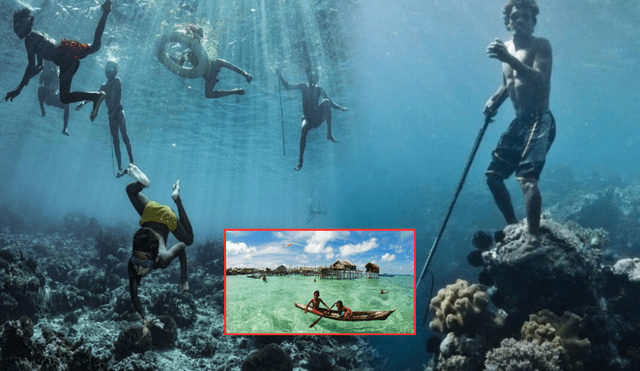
(561, 332)
(81, 225)
(52, 351)
(210, 256)
(555, 276)
(86, 321)
(614, 209)
(472, 322)
(522, 355)
(565, 274)
(134, 339)
(180, 306)
(460, 308)
(21, 286)
(629, 268)
(269, 358)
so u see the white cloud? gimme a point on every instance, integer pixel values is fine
(317, 241)
(352, 249)
(398, 249)
(239, 248)
(387, 258)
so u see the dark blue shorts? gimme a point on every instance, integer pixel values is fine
(523, 147)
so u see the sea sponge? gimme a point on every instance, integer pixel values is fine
(457, 306)
(562, 333)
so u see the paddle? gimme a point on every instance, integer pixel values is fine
(321, 317)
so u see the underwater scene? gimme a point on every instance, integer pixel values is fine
(503, 132)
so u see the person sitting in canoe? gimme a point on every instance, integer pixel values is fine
(344, 311)
(316, 302)
(383, 292)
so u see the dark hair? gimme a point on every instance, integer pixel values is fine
(317, 292)
(520, 4)
(146, 240)
(339, 302)
(24, 13)
(111, 69)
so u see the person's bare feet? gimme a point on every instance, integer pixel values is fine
(65, 132)
(184, 286)
(531, 243)
(532, 247)
(248, 77)
(297, 168)
(175, 195)
(106, 7)
(238, 91)
(331, 138)
(138, 175)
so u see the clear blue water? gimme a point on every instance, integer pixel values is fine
(257, 307)
(413, 74)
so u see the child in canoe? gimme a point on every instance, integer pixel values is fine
(344, 311)
(316, 302)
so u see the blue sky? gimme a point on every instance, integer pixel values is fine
(392, 251)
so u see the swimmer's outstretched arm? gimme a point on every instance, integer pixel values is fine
(134, 281)
(287, 85)
(32, 70)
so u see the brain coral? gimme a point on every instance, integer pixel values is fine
(457, 306)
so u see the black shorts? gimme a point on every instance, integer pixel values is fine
(523, 147)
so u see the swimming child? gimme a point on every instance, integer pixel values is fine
(210, 75)
(344, 311)
(117, 120)
(149, 242)
(48, 92)
(313, 113)
(66, 55)
(316, 302)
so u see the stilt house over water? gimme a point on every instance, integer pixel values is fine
(372, 270)
(340, 270)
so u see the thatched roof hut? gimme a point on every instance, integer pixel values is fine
(372, 268)
(343, 264)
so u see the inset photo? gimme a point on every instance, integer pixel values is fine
(355, 282)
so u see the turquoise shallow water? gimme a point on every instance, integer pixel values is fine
(253, 306)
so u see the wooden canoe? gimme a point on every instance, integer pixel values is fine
(375, 315)
(254, 276)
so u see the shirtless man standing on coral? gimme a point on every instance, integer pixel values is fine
(526, 65)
